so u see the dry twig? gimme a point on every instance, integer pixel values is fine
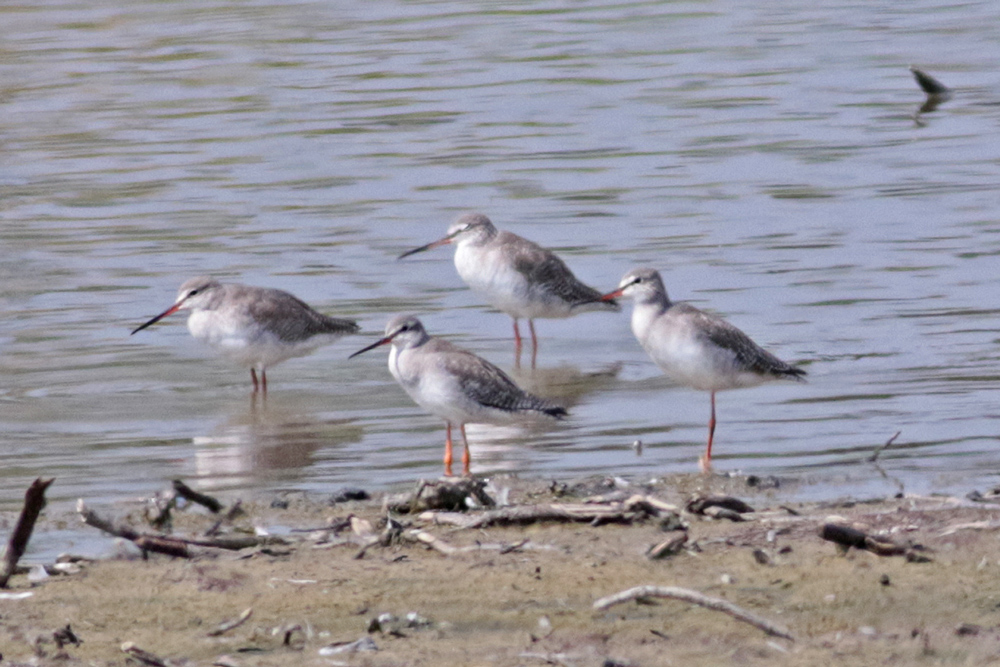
(145, 657)
(694, 597)
(667, 548)
(233, 623)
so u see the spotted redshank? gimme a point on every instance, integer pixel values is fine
(455, 384)
(516, 276)
(253, 326)
(694, 348)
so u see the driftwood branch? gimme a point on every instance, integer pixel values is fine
(34, 502)
(633, 509)
(852, 537)
(178, 547)
(147, 543)
(597, 511)
(453, 494)
(694, 597)
(701, 505)
(521, 514)
(973, 525)
(423, 537)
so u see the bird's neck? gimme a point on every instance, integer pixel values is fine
(645, 312)
(483, 236)
(658, 301)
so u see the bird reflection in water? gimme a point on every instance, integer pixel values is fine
(502, 448)
(266, 444)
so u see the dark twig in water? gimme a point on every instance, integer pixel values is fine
(878, 450)
(694, 597)
(34, 502)
(873, 459)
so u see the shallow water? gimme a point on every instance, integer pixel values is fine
(768, 160)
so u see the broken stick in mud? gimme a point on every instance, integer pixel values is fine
(848, 537)
(206, 501)
(34, 502)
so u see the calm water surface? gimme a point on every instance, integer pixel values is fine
(767, 159)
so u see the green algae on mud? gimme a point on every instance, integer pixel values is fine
(524, 594)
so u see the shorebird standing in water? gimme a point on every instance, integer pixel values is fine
(516, 276)
(694, 348)
(455, 384)
(253, 326)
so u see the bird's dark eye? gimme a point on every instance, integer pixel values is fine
(638, 279)
(192, 292)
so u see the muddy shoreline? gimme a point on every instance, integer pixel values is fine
(343, 586)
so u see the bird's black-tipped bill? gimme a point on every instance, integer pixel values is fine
(434, 244)
(379, 342)
(169, 311)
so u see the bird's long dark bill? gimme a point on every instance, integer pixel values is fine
(381, 341)
(445, 241)
(611, 296)
(169, 311)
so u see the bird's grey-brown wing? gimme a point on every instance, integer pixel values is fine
(546, 272)
(489, 386)
(751, 357)
(293, 320)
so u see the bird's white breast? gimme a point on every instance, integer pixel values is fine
(243, 340)
(686, 355)
(429, 383)
(491, 274)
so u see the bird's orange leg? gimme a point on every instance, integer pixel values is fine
(705, 463)
(466, 456)
(447, 451)
(517, 345)
(534, 342)
(253, 376)
(263, 381)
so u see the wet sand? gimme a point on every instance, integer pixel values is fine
(526, 595)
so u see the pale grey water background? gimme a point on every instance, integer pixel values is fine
(764, 156)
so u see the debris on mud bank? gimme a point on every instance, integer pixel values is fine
(509, 571)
